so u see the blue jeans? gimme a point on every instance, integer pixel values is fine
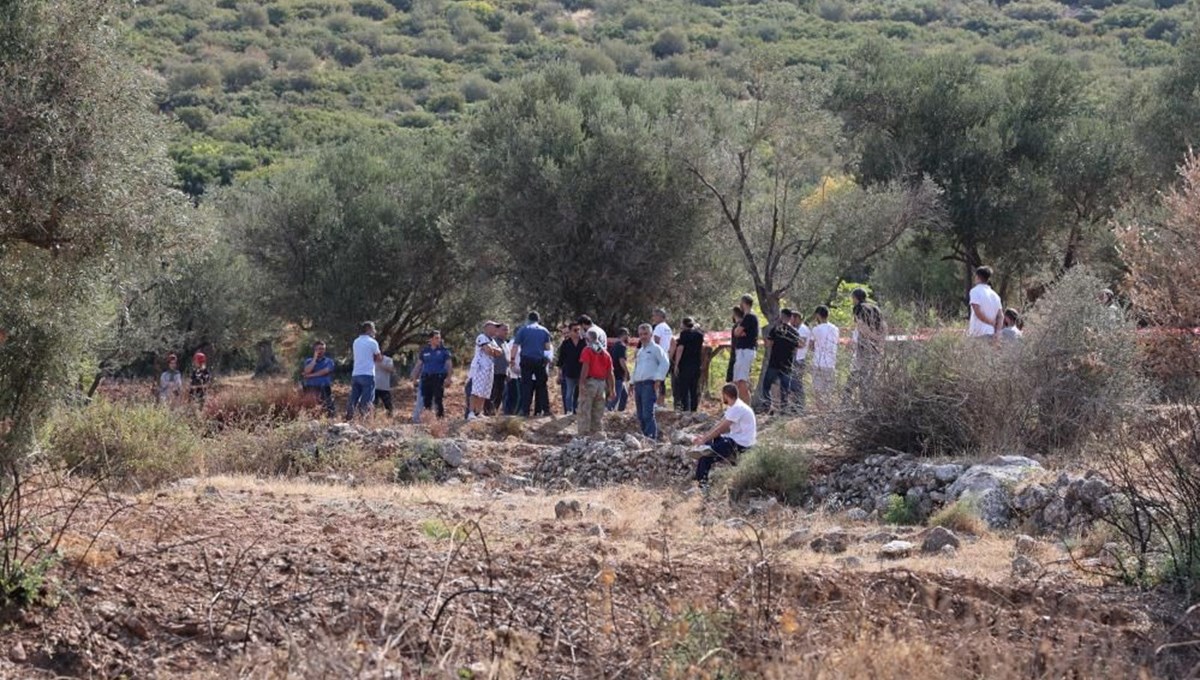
(646, 394)
(569, 393)
(786, 386)
(362, 395)
(620, 399)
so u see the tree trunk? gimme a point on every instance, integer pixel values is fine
(267, 364)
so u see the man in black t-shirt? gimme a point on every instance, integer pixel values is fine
(745, 346)
(619, 352)
(689, 348)
(568, 362)
(782, 342)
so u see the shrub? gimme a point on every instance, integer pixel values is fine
(195, 77)
(960, 516)
(196, 118)
(349, 54)
(259, 404)
(593, 61)
(252, 16)
(416, 119)
(243, 74)
(372, 9)
(281, 450)
(130, 445)
(423, 464)
(770, 470)
(1154, 509)
(518, 29)
(1075, 375)
(1084, 364)
(476, 89)
(670, 42)
(446, 102)
(900, 511)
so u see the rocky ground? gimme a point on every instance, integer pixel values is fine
(532, 554)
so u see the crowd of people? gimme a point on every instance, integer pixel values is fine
(509, 374)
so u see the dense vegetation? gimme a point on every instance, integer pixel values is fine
(426, 162)
(255, 82)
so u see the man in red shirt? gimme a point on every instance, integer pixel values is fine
(596, 383)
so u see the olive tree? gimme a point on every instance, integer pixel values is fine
(361, 234)
(765, 164)
(84, 190)
(576, 185)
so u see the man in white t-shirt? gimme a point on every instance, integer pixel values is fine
(801, 368)
(362, 378)
(987, 311)
(663, 337)
(737, 431)
(823, 348)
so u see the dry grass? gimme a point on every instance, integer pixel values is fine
(961, 517)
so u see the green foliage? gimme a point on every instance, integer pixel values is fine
(440, 531)
(84, 194)
(580, 168)
(422, 465)
(669, 43)
(770, 470)
(129, 446)
(389, 213)
(900, 511)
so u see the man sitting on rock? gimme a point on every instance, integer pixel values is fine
(737, 431)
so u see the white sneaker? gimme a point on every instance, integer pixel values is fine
(472, 416)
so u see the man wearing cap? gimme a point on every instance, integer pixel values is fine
(482, 367)
(201, 378)
(318, 377)
(530, 347)
(362, 378)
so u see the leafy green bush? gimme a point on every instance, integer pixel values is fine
(670, 42)
(900, 511)
(372, 9)
(131, 445)
(770, 470)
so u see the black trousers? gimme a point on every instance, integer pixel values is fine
(724, 449)
(535, 390)
(433, 392)
(687, 386)
(495, 402)
(384, 397)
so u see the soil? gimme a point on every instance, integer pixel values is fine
(243, 577)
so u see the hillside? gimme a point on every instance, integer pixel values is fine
(252, 82)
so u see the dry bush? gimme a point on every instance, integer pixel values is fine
(262, 403)
(1171, 358)
(960, 516)
(1155, 507)
(1081, 365)
(265, 452)
(1076, 374)
(1163, 281)
(134, 446)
